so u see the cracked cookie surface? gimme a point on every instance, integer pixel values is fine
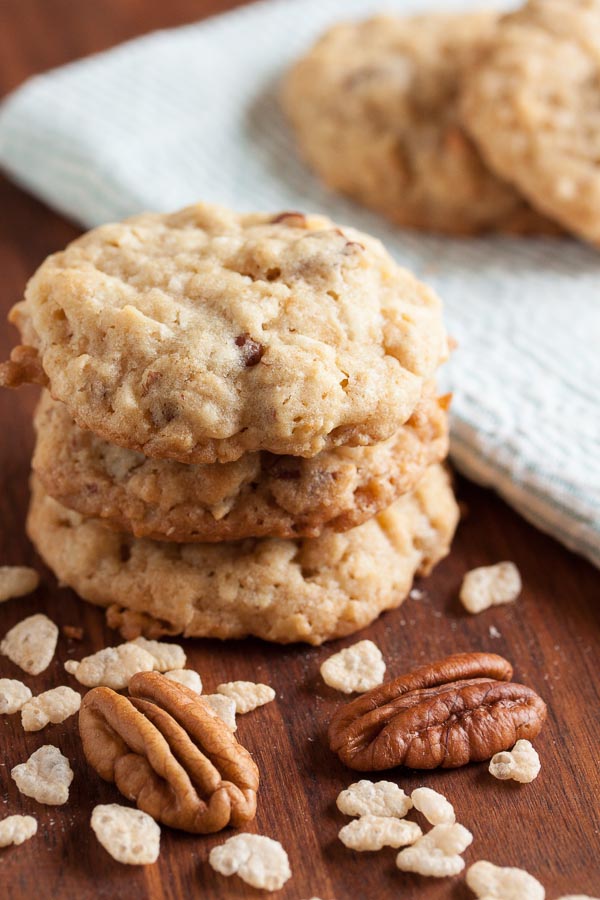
(375, 108)
(204, 334)
(307, 590)
(257, 495)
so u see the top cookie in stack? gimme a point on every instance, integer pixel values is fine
(215, 377)
(460, 123)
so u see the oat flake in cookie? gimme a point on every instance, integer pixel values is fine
(375, 109)
(257, 495)
(281, 590)
(203, 334)
(532, 104)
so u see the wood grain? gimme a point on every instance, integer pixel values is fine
(550, 827)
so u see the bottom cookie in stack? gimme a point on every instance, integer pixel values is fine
(283, 590)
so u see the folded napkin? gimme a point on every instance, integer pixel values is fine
(193, 113)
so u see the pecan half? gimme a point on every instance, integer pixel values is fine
(458, 710)
(166, 749)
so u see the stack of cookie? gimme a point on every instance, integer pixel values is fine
(459, 123)
(240, 432)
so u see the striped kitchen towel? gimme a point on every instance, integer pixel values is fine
(193, 113)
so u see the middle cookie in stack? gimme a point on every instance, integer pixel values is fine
(247, 402)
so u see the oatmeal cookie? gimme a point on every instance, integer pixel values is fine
(375, 108)
(282, 590)
(532, 104)
(257, 495)
(202, 335)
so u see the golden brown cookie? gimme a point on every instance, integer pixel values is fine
(375, 108)
(257, 495)
(282, 590)
(204, 334)
(532, 104)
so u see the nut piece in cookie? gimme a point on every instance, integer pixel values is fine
(129, 835)
(167, 750)
(258, 860)
(458, 710)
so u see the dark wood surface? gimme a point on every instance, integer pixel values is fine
(550, 827)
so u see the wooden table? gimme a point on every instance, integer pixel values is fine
(550, 827)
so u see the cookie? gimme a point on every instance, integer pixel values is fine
(259, 494)
(375, 109)
(202, 335)
(281, 590)
(532, 104)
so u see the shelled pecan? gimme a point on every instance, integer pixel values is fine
(167, 750)
(458, 710)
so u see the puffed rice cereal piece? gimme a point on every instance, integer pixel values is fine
(46, 776)
(112, 667)
(522, 763)
(377, 798)
(490, 882)
(53, 706)
(224, 708)
(437, 853)
(246, 694)
(259, 861)
(375, 832)
(129, 835)
(435, 807)
(490, 586)
(358, 668)
(31, 643)
(17, 829)
(16, 581)
(13, 694)
(166, 656)
(187, 677)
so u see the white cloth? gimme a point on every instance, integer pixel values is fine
(192, 113)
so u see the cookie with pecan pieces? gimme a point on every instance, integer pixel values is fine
(258, 494)
(375, 109)
(310, 589)
(203, 334)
